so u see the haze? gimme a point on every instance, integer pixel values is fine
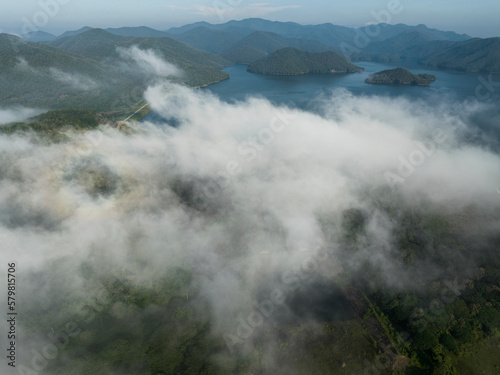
(474, 18)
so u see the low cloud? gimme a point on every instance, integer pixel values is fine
(17, 114)
(148, 62)
(238, 193)
(77, 81)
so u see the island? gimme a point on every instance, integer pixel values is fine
(400, 76)
(292, 61)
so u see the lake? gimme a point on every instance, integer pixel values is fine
(300, 90)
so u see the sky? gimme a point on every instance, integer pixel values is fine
(478, 18)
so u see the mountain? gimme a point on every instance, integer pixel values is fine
(400, 76)
(327, 34)
(38, 36)
(17, 53)
(475, 55)
(86, 70)
(210, 40)
(141, 31)
(42, 76)
(185, 28)
(292, 61)
(99, 44)
(75, 32)
(409, 45)
(260, 44)
(387, 31)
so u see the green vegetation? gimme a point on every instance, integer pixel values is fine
(400, 76)
(444, 323)
(291, 61)
(475, 55)
(85, 71)
(98, 44)
(260, 44)
(51, 125)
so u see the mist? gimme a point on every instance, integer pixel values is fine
(77, 81)
(15, 114)
(245, 195)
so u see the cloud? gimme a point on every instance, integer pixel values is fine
(148, 62)
(240, 194)
(17, 114)
(75, 80)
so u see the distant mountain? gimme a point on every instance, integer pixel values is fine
(387, 31)
(99, 44)
(327, 34)
(185, 28)
(409, 45)
(400, 76)
(38, 36)
(75, 32)
(210, 40)
(260, 44)
(399, 43)
(292, 61)
(420, 52)
(141, 31)
(475, 55)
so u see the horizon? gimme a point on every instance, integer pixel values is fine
(105, 28)
(58, 16)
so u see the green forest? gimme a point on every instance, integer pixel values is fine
(400, 76)
(291, 61)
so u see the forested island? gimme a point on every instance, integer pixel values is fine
(400, 76)
(292, 61)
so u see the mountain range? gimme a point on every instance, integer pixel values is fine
(92, 70)
(246, 41)
(84, 68)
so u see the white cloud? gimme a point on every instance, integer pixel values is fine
(246, 184)
(149, 62)
(75, 80)
(16, 114)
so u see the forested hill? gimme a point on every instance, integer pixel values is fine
(87, 71)
(475, 55)
(400, 76)
(292, 61)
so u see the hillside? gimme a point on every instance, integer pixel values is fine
(400, 76)
(15, 51)
(291, 61)
(37, 75)
(260, 44)
(140, 31)
(39, 36)
(86, 71)
(98, 44)
(206, 39)
(327, 34)
(475, 55)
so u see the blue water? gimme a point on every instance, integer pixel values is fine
(300, 90)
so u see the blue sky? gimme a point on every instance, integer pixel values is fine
(479, 18)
